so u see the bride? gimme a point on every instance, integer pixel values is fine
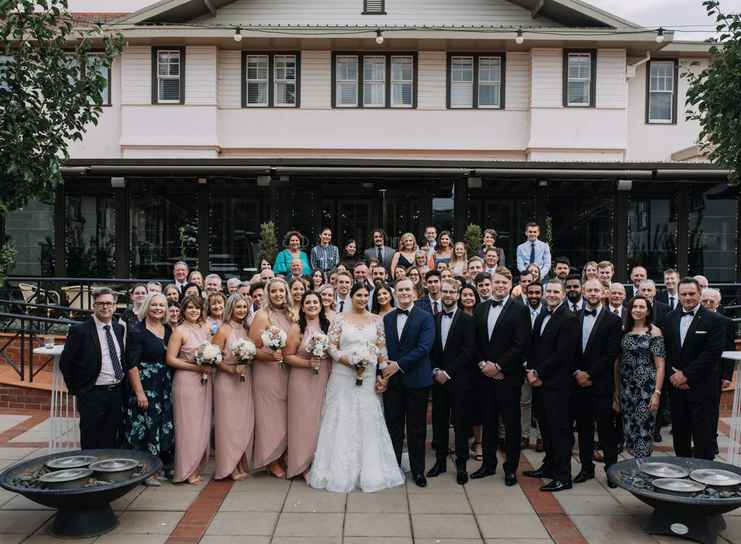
(354, 449)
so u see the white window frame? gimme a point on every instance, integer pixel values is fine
(671, 93)
(338, 81)
(381, 82)
(587, 80)
(179, 77)
(496, 83)
(409, 81)
(462, 82)
(258, 81)
(276, 81)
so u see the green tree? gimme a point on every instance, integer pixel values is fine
(713, 95)
(51, 91)
(268, 243)
(473, 239)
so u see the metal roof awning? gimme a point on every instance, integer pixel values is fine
(394, 167)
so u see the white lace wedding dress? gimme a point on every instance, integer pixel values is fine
(354, 448)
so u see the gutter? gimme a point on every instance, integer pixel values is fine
(631, 69)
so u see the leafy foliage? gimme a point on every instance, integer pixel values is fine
(51, 91)
(268, 243)
(713, 95)
(474, 239)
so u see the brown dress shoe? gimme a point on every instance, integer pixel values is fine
(539, 445)
(599, 456)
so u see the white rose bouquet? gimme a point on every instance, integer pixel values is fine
(244, 351)
(274, 339)
(360, 360)
(318, 345)
(207, 355)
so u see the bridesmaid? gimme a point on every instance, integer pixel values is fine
(306, 387)
(326, 295)
(234, 414)
(190, 398)
(270, 380)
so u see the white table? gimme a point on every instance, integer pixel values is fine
(734, 438)
(64, 421)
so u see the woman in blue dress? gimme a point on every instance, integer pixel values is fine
(293, 242)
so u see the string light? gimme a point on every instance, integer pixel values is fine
(660, 35)
(520, 39)
(379, 36)
(238, 35)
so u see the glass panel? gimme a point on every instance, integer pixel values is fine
(257, 93)
(660, 106)
(169, 90)
(285, 93)
(489, 95)
(443, 212)
(285, 80)
(168, 63)
(257, 67)
(579, 78)
(164, 226)
(374, 78)
(461, 82)
(401, 94)
(347, 94)
(401, 81)
(90, 234)
(346, 74)
(579, 65)
(662, 76)
(461, 69)
(31, 229)
(652, 234)
(713, 235)
(578, 92)
(94, 63)
(461, 95)
(257, 80)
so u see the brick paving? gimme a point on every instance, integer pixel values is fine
(263, 510)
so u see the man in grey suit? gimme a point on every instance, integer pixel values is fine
(380, 252)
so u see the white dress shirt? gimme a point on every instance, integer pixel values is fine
(685, 322)
(672, 300)
(343, 305)
(587, 326)
(619, 311)
(401, 320)
(579, 305)
(494, 313)
(445, 323)
(534, 313)
(107, 376)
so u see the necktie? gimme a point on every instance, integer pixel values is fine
(574, 308)
(380, 256)
(532, 252)
(593, 313)
(117, 369)
(616, 311)
(671, 302)
(342, 305)
(435, 308)
(405, 312)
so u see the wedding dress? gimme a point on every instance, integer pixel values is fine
(354, 449)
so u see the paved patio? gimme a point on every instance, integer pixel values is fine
(263, 510)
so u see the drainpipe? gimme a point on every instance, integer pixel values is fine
(630, 69)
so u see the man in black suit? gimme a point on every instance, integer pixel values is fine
(452, 359)
(637, 274)
(599, 347)
(669, 295)
(553, 348)
(92, 364)
(695, 338)
(431, 302)
(647, 288)
(617, 300)
(502, 335)
(574, 298)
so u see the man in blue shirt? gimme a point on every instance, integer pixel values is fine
(533, 251)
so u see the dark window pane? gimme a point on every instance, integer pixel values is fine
(713, 235)
(90, 232)
(652, 234)
(31, 229)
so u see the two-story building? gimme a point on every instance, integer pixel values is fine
(221, 115)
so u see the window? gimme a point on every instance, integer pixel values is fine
(476, 81)
(168, 67)
(95, 63)
(374, 81)
(579, 78)
(270, 80)
(374, 7)
(661, 92)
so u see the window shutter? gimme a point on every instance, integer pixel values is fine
(374, 6)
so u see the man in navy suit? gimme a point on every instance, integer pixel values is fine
(431, 302)
(410, 333)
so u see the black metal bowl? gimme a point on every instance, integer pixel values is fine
(84, 511)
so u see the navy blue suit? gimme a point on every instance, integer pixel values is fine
(405, 400)
(425, 304)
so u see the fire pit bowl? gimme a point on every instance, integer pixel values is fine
(694, 516)
(84, 510)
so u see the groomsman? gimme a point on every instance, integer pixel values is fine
(637, 275)
(180, 275)
(410, 333)
(452, 358)
(534, 305)
(502, 335)
(574, 297)
(669, 295)
(647, 288)
(343, 302)
(695, 339)
(553, 348)
(380, 252)
(431, 302)
(92, 366)
(482, 281)
(617, 299)
(594, 378)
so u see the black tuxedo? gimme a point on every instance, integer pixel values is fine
(594, 403)
(693, 410)
(552, 352)
(456, 359)
(507, 347)
(99, 407)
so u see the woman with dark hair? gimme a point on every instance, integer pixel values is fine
(641, 376)
(444, 250)
(192, 289)
(490, 238)
(293, 242)
(191, 399)
(383, 300)
(130, 316)
(469, 298)
(297, 288)
(317, 279)
(306, 383)
(350, 255)
(415, 274)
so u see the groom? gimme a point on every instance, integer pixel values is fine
(410, 333)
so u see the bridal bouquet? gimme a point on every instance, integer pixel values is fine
(207, 355)
(360, 360)
(274, 339)
(244, 351)
(318, 345)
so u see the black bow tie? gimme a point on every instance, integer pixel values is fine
(404, 312)
(593, 313)
(688, 313)
(448, 314)
(495, 302)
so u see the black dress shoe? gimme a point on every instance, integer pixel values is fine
(657, 437)
(420, 480)
(556, 485)
(461, 476)
(510, 479)
(537, 473)
(483, 472)
(611, 484)
(583, 476)
(438, 468)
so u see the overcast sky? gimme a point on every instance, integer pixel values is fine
(649, 13)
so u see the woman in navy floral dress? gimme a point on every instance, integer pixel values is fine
(149, 421)
(641, 376)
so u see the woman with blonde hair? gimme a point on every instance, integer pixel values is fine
(459, 261)
(589, 271)
(405, 257)
(270, 379)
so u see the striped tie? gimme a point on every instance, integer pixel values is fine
(117, 368)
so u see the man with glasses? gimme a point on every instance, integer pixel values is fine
(92, 364)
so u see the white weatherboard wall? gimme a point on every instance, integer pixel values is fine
(316, 80)
(398, 12)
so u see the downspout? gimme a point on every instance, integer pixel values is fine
(631, 69)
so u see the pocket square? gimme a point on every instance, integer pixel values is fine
(701, 332)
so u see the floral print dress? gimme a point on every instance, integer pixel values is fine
(637, 384)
